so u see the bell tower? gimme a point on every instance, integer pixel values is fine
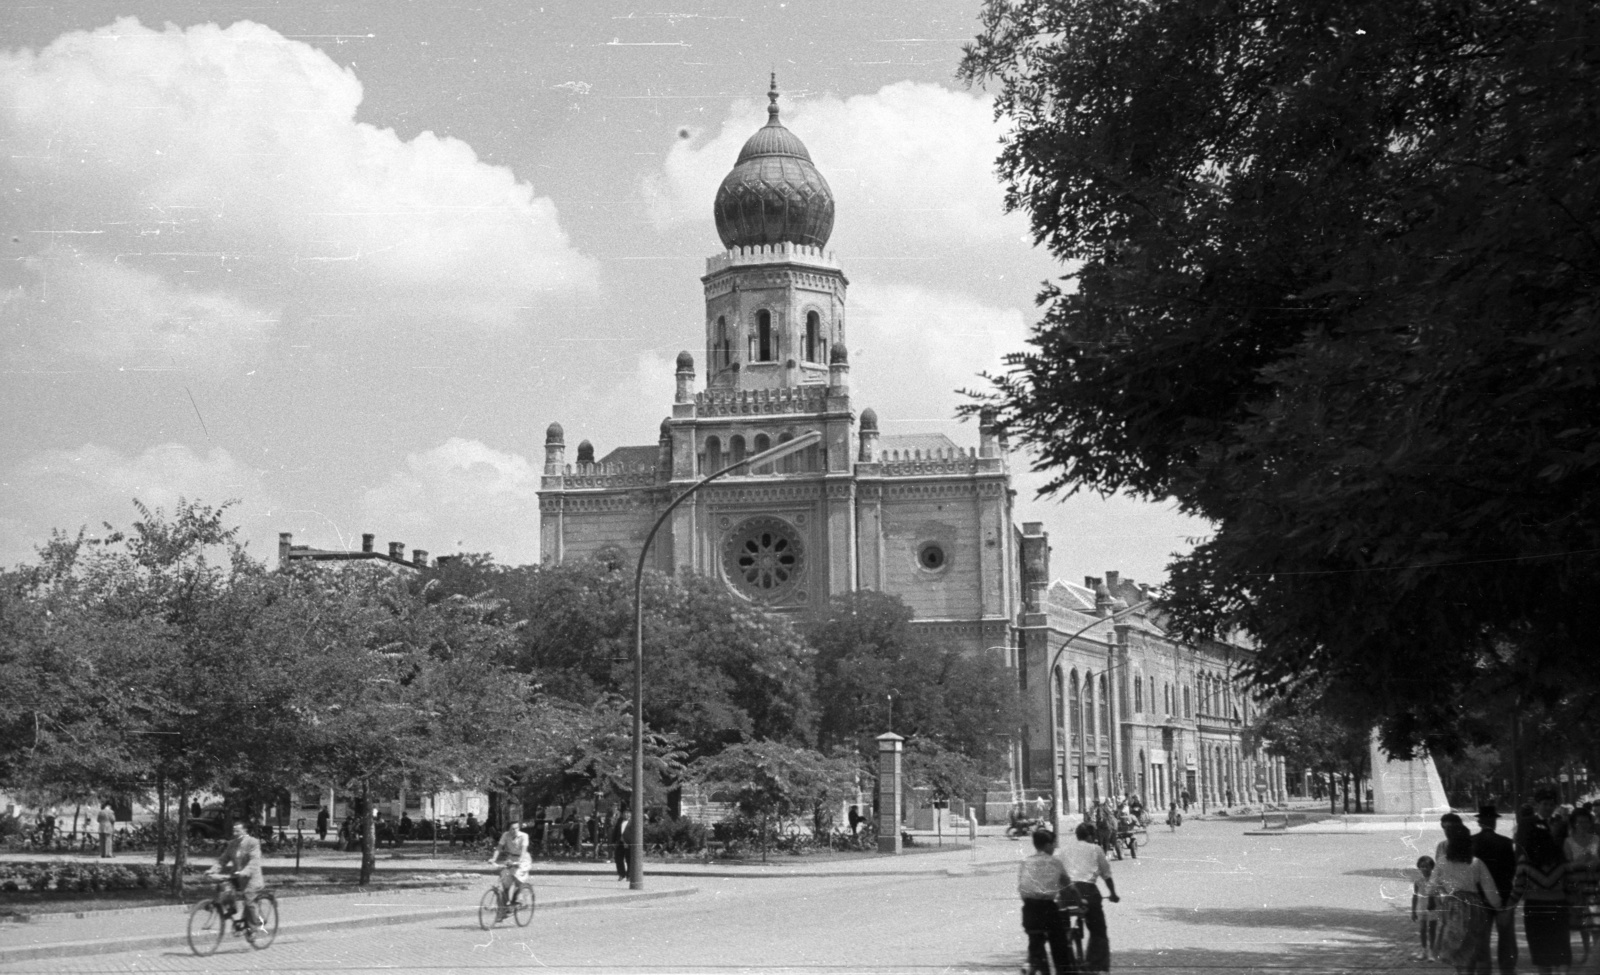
(775, 298)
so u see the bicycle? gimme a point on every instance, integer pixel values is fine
(212, 918)
(1072, 917)
(493, 909)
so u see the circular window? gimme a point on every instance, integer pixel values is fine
(931, 556)
(763, 557)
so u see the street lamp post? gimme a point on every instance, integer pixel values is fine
(636, 808)
(1056, 788)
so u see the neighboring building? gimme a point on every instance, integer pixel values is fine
(917, 516)
(396, 556)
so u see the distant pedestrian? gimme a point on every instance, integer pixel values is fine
(1184, 795)
(621, 851)
(194, 809)
(108, 828)
(406, 826)
(855, 819)
(1174, 817)
(1040, 806)
(1424, 911)
(322, 824)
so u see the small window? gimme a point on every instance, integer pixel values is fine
(813, 337)
(1186, 712)
(722, 351)
(762, 444)
(735, 450)
(713, 461)
(764, 344)
(931, 557)
(1138, 694)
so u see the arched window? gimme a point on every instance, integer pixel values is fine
(1166, 698)
(813, 337)
(713, 458)
(1074, 706)
(735, 449)
(1138, 694)
(765, 351)
(1088, 706)
(721, 349)
(762, 443)
(1187, 712)
(1105, 708)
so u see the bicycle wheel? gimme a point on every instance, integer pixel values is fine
(522, 903)
(489, 908)
(267, 914)
(206, 927)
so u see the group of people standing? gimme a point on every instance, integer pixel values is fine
(1470, 888)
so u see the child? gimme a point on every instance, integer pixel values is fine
(1427, 920)
(1174, 817)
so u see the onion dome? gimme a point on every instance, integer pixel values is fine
(685, 361)
(774, 194)
(869, 420)
(838, 355)
(553, 433)
(585, 452)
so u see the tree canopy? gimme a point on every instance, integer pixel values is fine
(1332, 286)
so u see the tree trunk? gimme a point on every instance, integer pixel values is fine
(1333, 796)
(161, 819)
(180, 849)
(369, 842)
(763, 837)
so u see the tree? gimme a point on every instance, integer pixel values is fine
(1312, 730)
(1331, 287)
(768, 779)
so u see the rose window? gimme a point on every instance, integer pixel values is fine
(763, 557)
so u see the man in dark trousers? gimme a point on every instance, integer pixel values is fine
(322, 824)
(1499, 854)
(621, 853)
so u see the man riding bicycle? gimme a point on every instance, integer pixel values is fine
(513, 846)
(241, 863)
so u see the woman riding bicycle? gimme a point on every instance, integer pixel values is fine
(513, 846)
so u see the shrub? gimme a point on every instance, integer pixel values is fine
(681, 835)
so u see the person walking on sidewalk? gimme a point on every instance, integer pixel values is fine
(621, 853)
(1041, 879)
(1499, 854)
(1466, 893)
(322, 824)
(108, 827)
(1086, 864)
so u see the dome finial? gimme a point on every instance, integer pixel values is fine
(772, 100)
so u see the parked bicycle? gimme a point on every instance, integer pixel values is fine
(212, 919)
(494, 908)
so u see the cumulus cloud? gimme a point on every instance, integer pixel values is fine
(229, 159)
(91, 485)
(461, 496)
(910, 163)
(912, 347)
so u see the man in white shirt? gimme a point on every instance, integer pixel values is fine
(513, 846)
(1086, 863)
(1040, 880)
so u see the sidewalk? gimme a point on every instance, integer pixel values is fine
(559, 884)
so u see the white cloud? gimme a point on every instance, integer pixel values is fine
(912, 163)
(85, 306)
(911, 348)
(230, 159)
(461, 496)
(91, 485)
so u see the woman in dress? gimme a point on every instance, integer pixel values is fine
(1582, 848)
(1542, 885)
(1464, 886)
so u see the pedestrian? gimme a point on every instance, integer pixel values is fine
(855, 819)
(1174, 817)
(322, 824)
(1542, 885)
(406, 826)
(194, 809)
(1499, 854)
(1466, 893)
(1041, 880)
(107, 820)
(1185, 796)
(1040, 807)
(1583, 865)
(621, 852)
(1086, 864)
(1423, 911)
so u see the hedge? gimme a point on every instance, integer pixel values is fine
(65, 875)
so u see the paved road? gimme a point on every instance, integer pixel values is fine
(1203, 900)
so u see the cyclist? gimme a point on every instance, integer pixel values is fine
(1086, 862)
(1040, 880)
(241, 863)
(513, 846)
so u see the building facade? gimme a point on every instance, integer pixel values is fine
(917, 516)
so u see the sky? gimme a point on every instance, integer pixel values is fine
(344, 262)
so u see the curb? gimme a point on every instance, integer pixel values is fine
(72, 949)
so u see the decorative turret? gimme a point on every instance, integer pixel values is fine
(838, 366)
(555, 450)
(869, 436)
(774, 194)
(685, 392)
(585, 452)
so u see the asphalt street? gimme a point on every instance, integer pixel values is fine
(1205, 899)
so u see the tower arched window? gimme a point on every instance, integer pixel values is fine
(762, 443)
(766, 349)
(735, 449)
(1138, 694)
(1105, 708)
(813, 337)
(713, 461)
(787, 464)
(1186, 710)
(722, 348)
